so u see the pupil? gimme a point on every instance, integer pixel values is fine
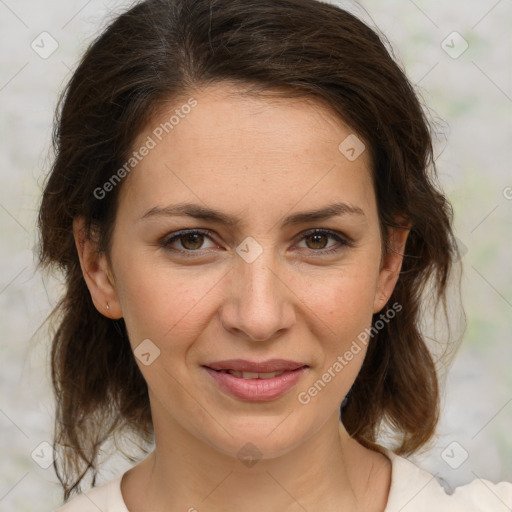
(316, 237)
(190, 238)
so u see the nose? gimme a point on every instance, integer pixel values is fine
(259, 302)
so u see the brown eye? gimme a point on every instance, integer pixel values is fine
(191, 241)
(316, 240)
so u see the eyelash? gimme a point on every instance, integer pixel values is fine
(167, 241)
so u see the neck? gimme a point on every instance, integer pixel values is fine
(328, 471)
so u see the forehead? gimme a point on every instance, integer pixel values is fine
(236, 150)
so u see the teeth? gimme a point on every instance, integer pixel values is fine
(253, 375)
(247, 375)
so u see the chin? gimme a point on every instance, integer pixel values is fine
(265, 437)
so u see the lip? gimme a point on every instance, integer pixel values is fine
(268, 366)
(257, 390)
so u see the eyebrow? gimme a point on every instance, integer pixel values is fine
(201, 212)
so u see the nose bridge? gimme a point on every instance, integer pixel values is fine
(261, 304)
(258, 277)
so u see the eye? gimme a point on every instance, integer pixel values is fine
(192, 240)
(318, 240)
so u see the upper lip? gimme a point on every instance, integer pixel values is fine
(268, 366)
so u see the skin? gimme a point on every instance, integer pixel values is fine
(260, 160)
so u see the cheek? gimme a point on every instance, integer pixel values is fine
(343, 305)
(345, 301)
(340, 309)
(161, 302)
(160, 299)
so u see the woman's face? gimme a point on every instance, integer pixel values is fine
(260, 287)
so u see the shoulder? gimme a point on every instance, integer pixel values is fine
(415, 490)
(106, 497)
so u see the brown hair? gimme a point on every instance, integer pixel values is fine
(161, 50)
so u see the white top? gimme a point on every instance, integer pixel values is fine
(412, 490)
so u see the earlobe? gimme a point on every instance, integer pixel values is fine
(391, 265)
(96, 272)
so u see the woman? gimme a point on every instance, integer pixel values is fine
(244, 205)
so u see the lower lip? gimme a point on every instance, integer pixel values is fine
(257, 390)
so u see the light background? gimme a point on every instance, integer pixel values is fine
(471, 95)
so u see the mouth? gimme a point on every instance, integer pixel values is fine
(270, 366)
(253, 375)
(271, 380)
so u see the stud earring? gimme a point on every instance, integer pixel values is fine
(108, 307)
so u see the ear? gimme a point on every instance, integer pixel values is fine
(96, 272)
(391, 264)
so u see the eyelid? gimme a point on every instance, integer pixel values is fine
(175, 235)
(341, 237)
